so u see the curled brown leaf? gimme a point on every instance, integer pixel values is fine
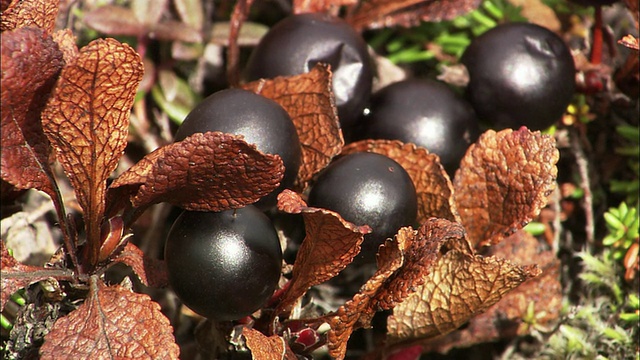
(503, 181)
(331, 243)
(459, 286)
(30, 64)
(387, 13)
(113, 323)
(205, 172)
(151, 272)
(433, 187)
(35, 13)
(504, 320)
(267, 347)
(308, 99)
(404, 264)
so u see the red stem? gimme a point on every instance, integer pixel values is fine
(596, 47)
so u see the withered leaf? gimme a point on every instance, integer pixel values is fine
(209, 171)
(35, 13)
(30, 64)
(15, 276)
(503, 181)
(67, 44)
(314, 6)
(330, 245)
(387, 13)
(309, 100)
(267, 347)
(118, 20)
(87, 118)
(433, 187)
(459, 286)
(353, 314)
(504, 320)
(404, 263)
(113, 323)
(151, 272)
(114, 20)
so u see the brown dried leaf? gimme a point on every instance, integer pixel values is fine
(403, 265)
(330, 245)
(115, 20)
(36, 13)
(67, 44)
(309, 100)
(539, 13)
(630, 41)
(459, 286)
(352, 314)
(151, 272)
(15, 276)
(387, 13)
(314, 6)
(433, 187)
(87, 119)
(503, 181)
(504, 320)
(118, 20)
(267, 347)
(113, 323)
(30, 64)
(205, 172)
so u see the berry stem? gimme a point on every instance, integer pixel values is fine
(596, 48)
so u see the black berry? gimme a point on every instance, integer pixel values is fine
(294, 45)
(424, 112)
(367, 188)
(520, 74)
(223, 265)
(261, 121)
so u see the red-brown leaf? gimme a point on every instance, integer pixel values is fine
(308, 99)
(67, 44)
(504, 320)
(433, 187)
(15, 276)
(30, 64)
(459, 286)
(387, 13)
(503, 181)
(87, 119)
(35, 13)
(267, 347)
(314, 6)
(355, 313)
(152, 272)
(113, 323)
(330, 245)
(403, 268)
(205, 172)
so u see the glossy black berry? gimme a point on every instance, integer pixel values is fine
(520, 74)
(367, 189)
(424, 112)
(294, 45)
(261, 121)
(223, 265)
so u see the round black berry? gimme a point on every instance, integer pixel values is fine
(294, 45)
(520, 74)
(223, 265)
(368, 189)
(424, 112)
(261, 121)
